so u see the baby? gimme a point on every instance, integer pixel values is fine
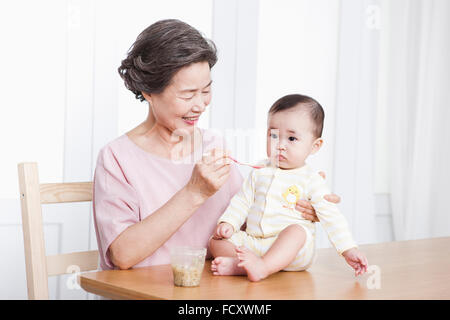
(277, 237)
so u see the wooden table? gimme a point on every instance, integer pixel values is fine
(418, 269)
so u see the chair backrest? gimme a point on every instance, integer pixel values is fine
(38, 265)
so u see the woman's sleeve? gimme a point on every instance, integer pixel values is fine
(115, 203)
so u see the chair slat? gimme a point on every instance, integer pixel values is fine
(81, 261)
(33, 232)
(66, 192)
(38, 265)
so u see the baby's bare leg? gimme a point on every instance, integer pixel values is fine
(282, 252)
(226, 261)
(221, 248)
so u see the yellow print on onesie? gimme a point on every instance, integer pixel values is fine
(291, 196)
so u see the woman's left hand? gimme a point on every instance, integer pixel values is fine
(307, 209)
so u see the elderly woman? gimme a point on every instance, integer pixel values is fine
(165, 182)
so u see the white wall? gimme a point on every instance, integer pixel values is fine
(34, 105)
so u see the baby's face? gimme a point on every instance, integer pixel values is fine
(290, 138)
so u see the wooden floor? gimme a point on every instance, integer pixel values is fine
(418, 269)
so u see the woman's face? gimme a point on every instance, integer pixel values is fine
(183, 101)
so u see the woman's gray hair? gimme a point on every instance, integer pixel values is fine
(159, 52)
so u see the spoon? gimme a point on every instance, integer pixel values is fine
(246, 164)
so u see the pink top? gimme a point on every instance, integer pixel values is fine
(130, 184)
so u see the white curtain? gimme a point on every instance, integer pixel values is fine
(416, 38)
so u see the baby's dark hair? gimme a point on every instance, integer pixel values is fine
(305, 103)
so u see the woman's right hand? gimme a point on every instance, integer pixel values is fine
(210, 173)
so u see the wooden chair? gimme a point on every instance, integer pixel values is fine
(39, 266)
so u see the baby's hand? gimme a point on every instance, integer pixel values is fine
(356, 260)
(223, 231)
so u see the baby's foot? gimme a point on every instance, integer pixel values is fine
(226, 266)
(253, 264)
